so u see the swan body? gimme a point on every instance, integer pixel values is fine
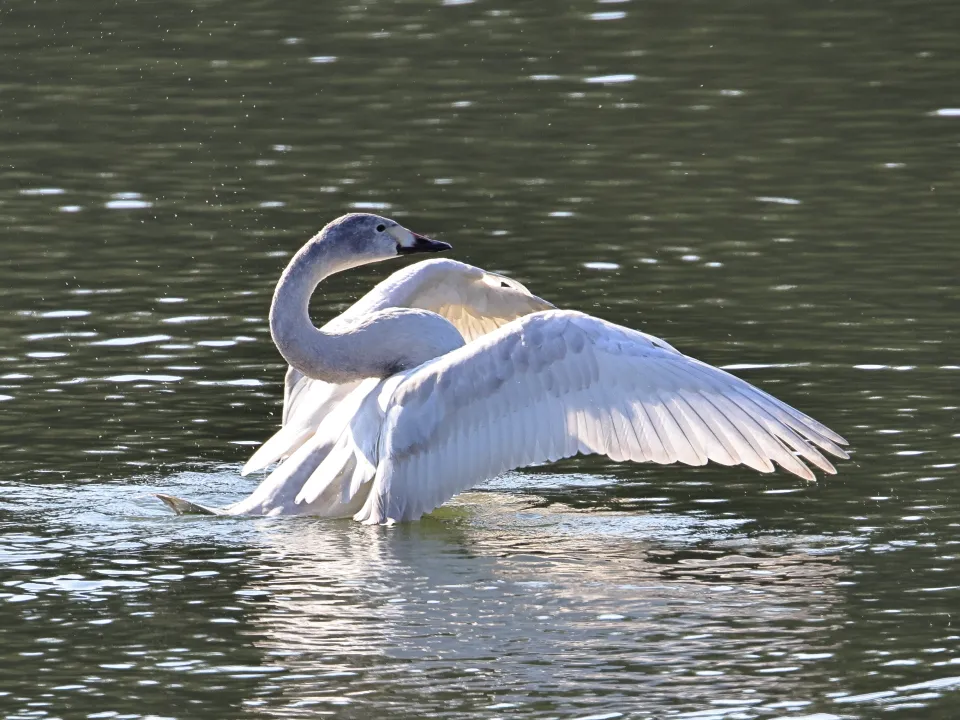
(473, 300)
(445, 375)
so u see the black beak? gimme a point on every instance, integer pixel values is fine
(423, 244)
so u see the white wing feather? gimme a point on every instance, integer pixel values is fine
(341, 447)
(306, 403)
(554, 384)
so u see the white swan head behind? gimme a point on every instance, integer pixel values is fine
(375, 345)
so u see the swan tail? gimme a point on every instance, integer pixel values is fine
(186, 507)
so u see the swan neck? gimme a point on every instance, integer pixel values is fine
(310, 350)
(372, 344)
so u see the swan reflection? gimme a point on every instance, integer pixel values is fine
(501, 599)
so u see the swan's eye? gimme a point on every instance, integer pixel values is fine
(503, 283)
(381, 228)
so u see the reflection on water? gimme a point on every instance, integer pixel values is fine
(769, 188)
(525, 608)
(500, 601)
(494, 602)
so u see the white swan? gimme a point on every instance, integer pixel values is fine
(446, 375)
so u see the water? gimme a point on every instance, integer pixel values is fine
(769, 187)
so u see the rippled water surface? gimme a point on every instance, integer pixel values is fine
(771, 187)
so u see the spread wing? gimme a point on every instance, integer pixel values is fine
(558, 383)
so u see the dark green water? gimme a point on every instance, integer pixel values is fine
(769, 186)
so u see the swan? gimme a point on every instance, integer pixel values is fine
(446, 375)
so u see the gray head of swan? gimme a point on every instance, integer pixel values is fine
(376, 345)
(360, 238)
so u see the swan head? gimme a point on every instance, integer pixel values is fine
(364, 238)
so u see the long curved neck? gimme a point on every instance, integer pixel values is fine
(376, 345)
(310, 350)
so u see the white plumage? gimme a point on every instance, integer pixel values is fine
(474, 300)
(525, 385)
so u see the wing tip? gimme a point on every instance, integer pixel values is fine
(282, 443)
(840, 453)
(828, 433)
(807, 474)
(259, 460)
